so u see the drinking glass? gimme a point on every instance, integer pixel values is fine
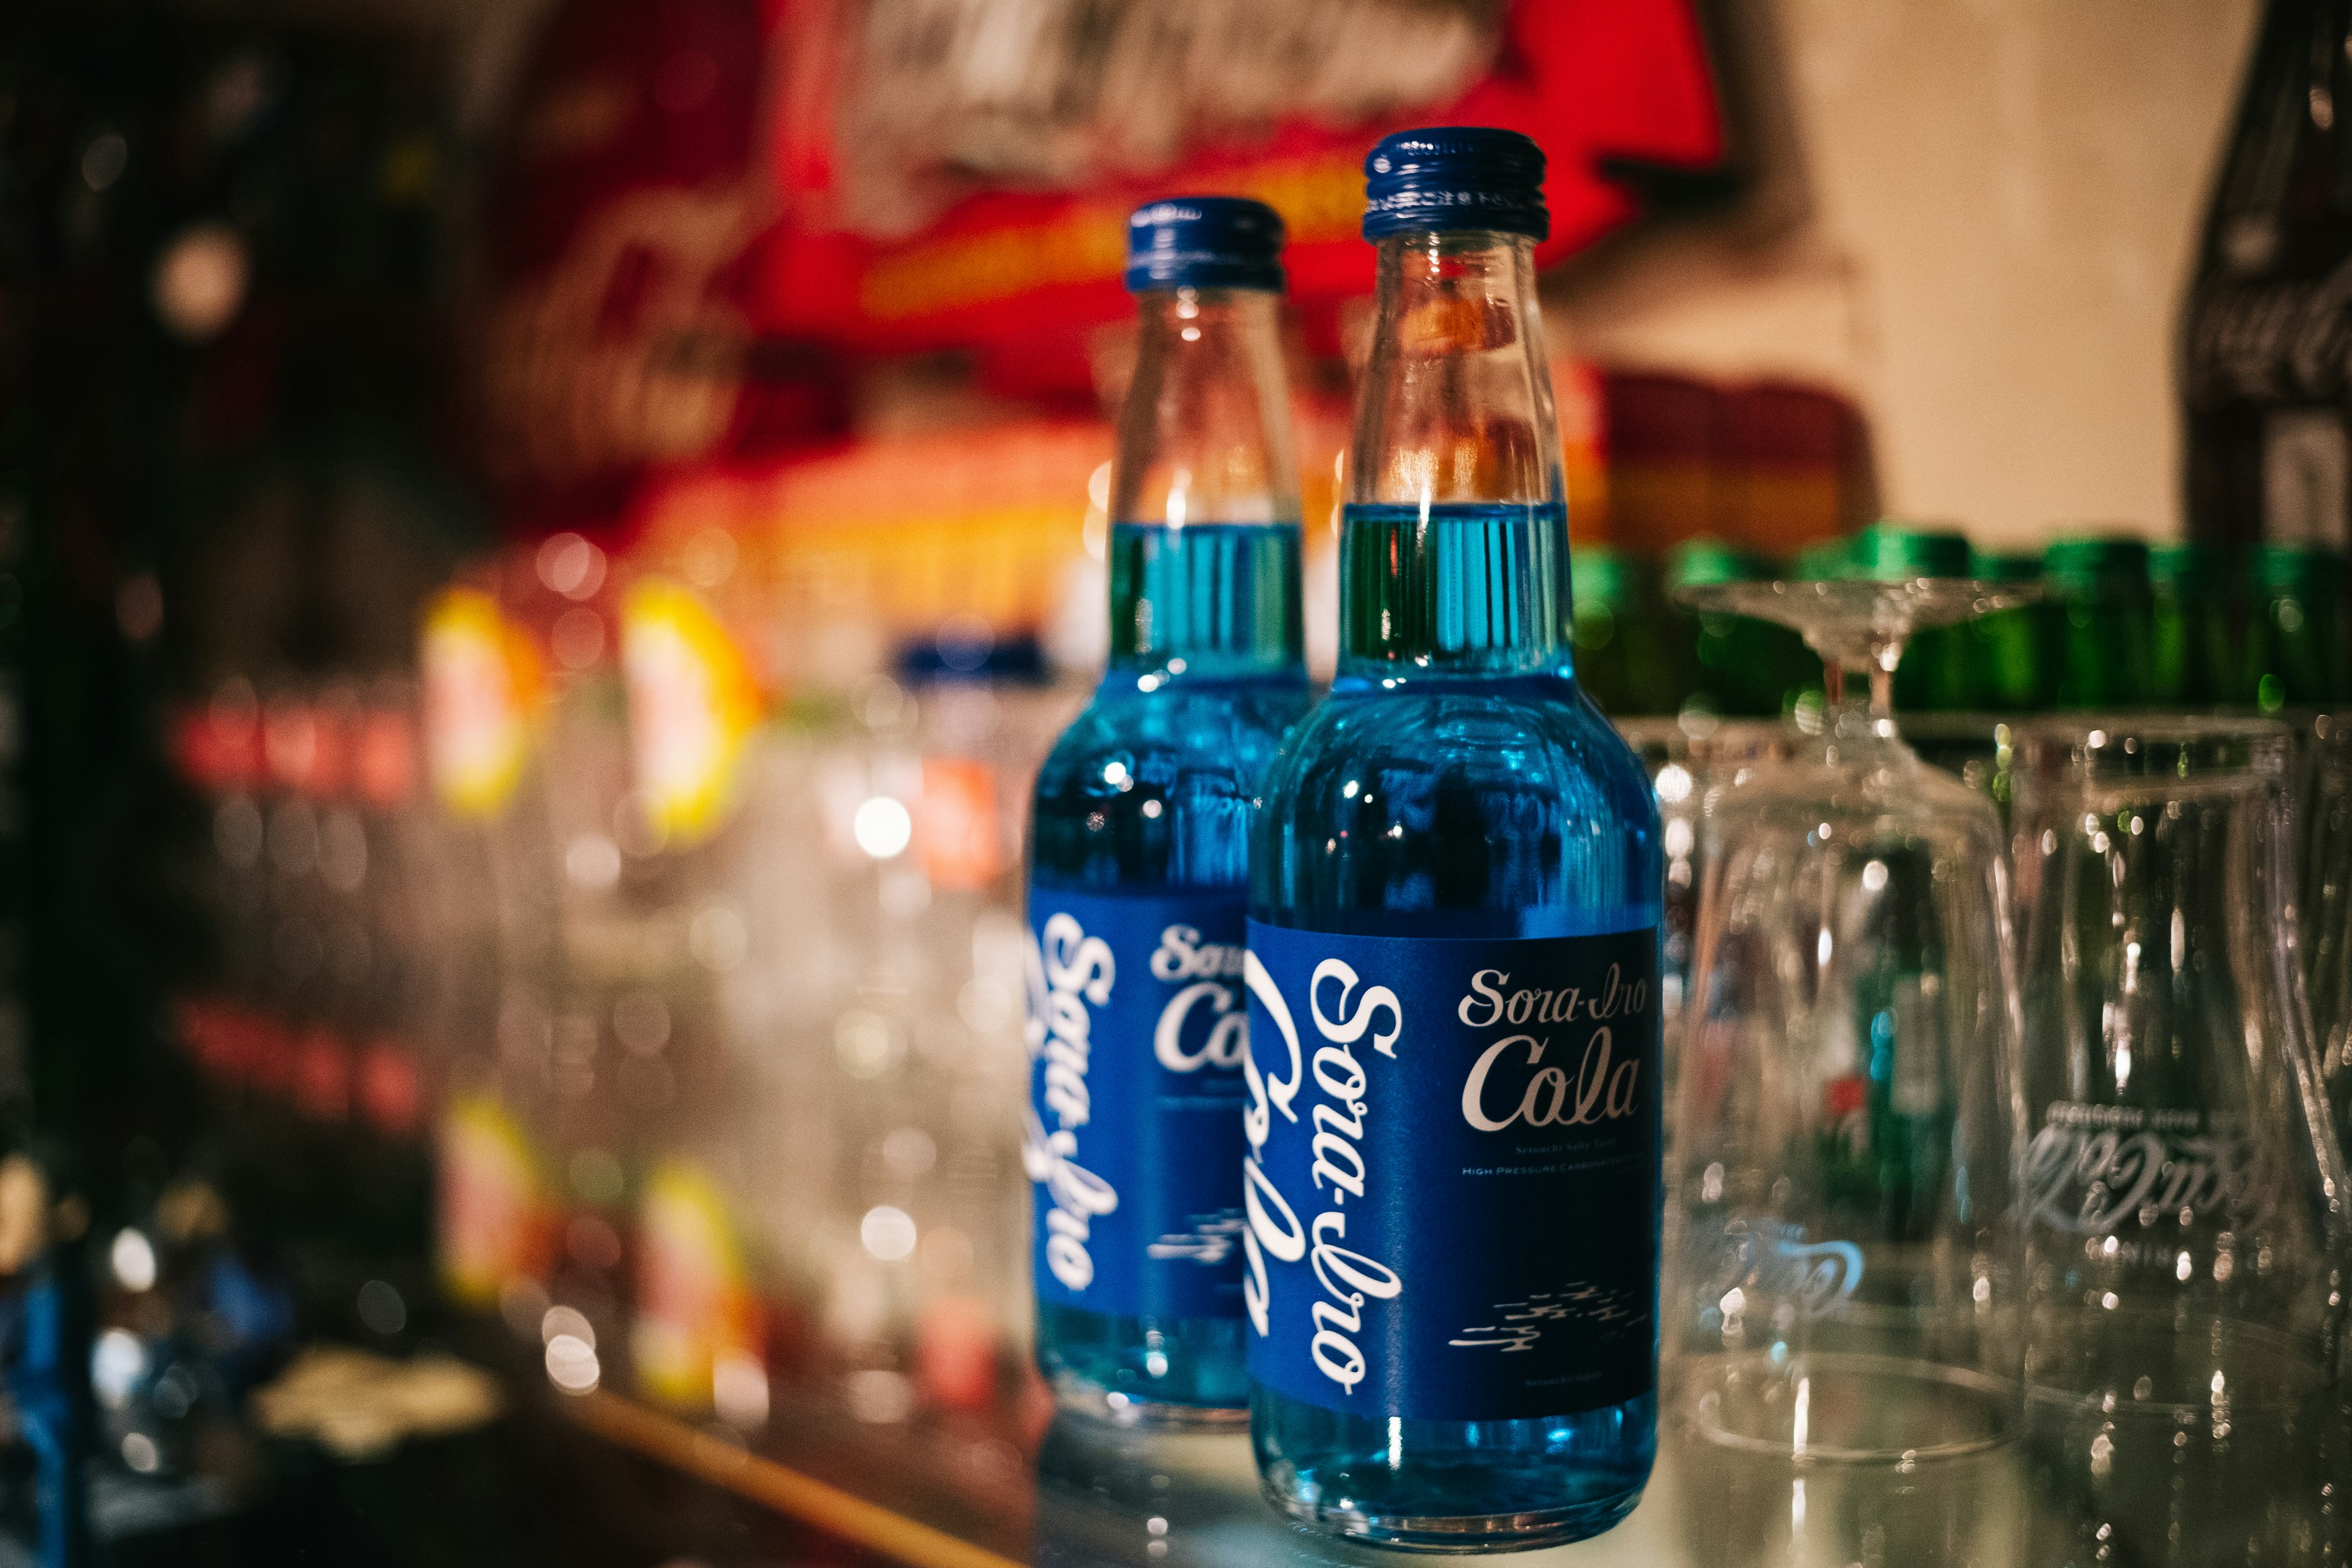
(1843, 1274)
(2322, 780)
(1980, 749)
(1691, 758)
(2184, 1190)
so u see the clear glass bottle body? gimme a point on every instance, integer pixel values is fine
(1145, 796)
(1456, 783)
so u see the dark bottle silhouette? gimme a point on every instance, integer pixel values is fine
(2267, 335)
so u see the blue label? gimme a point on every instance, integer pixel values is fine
(1452, 1178)
(1137, 1030)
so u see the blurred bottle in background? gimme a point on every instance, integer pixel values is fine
(1733, 666)
(2098, 614)
(2190, 631)
(1623, 658)
(2262, 359)
(482, 679)
(45, 1345)
(2006, 646)
(2297, 647)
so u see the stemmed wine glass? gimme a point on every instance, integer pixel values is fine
(1841, 1296)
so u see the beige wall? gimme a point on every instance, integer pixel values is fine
(1976, 217)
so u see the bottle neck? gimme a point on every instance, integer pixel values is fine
(1204, 544)
(1454, 547)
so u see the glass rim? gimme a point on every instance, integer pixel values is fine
(1707, 732)
(2010, 1391)
(2140, 757)
(1944, 723)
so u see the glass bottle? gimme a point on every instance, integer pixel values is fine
(1139, 856)
(2262, 344)
(2190, 644)
(1734, 666)
(1620, 659)
(2010, 678)
(1453, 1115)
(2295, 649)
(2099, 615)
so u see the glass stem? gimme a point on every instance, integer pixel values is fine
(1853, 694)
(1860, 687)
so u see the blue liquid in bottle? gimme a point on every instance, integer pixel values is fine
(1140, 842)
(1456, 886)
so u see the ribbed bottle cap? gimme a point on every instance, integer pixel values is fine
(2090, 561)
(1698, 563)
(1204, 242)
(1605, 574)
(1897, 552)
(1455, 176)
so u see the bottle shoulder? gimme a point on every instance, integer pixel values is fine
(1151, 791)
(1536, 735)
(1450, 808)
(1217, 726)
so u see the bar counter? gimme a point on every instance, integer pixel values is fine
(1087, 1493)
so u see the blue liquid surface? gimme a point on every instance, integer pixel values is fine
(1205, 675)
(1455, 783)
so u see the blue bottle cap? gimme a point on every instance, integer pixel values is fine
(1204, 242)
(1455, 176)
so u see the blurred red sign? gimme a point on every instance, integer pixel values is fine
(951, 175)
(610, 334)
(700, 201)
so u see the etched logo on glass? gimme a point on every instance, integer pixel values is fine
(2094, 1169)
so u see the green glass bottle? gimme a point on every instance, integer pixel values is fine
(1734, 665)
(2098, 617)
(1621, 658)
(2189, 650)
(2297, 640)
(2006, 647)
(1936, 674)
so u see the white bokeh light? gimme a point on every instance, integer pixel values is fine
(888, 1233)
(134, 1259)
(883, 826)
(572, 1365)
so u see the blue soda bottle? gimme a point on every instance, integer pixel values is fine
(1453, 1177)
(1139, 863)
